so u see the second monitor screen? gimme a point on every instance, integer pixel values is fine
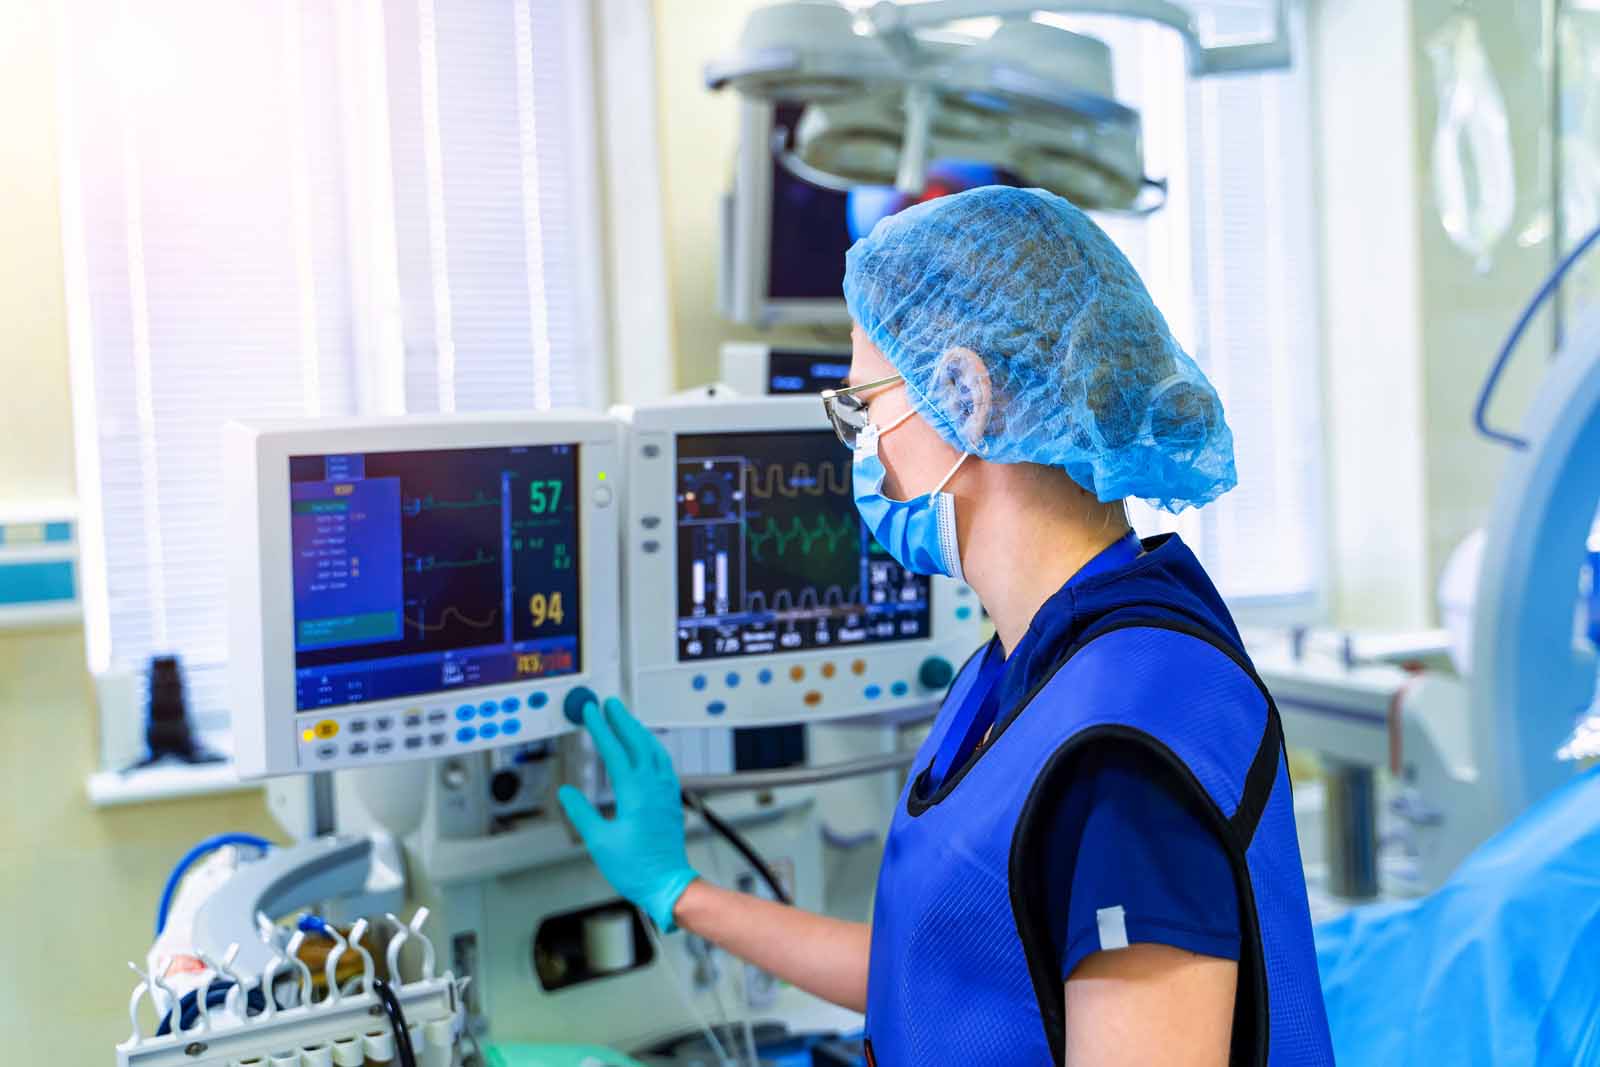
(772, 556)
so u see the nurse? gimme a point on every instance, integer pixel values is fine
(1094, 860)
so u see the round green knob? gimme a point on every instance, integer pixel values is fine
(936, 673)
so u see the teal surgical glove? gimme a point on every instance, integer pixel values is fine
(641, 850)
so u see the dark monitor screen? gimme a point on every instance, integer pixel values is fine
(813, 226)
(790, 371)
(772, 556)
(422, 572)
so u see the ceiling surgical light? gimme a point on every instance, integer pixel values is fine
(890, 91)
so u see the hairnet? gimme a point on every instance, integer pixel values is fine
(1083, 372)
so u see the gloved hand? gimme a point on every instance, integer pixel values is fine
(641, 850)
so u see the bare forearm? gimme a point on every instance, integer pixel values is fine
(825, 957)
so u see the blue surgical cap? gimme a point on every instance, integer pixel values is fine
(1083, 372)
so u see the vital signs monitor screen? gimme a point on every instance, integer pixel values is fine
(772, 556)
(422, 572)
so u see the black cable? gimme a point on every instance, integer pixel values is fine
(404, 1052)
(743, 847)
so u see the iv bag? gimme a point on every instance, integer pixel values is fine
(1473, 180)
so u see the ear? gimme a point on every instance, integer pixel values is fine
(962, 388)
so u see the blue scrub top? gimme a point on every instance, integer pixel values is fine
(1121, 836)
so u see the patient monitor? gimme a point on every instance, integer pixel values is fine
(417, 587)
(755, 594)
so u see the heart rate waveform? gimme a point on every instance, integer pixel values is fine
(424, 564)
(417, 505)
(830, 531)
(786, 601)
(794, 480)
(454, 613)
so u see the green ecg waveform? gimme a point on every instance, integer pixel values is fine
(428, 563)
(428, 503)
(832, 530)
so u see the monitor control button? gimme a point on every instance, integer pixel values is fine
(602, 496)
(578, 699)
(650, 522)
(650, 548)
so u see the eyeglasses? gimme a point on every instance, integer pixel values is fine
(847, 411)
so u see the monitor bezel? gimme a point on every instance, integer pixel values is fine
(261, 587)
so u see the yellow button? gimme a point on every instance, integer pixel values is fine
(813, 698)
(797, 672)
(828, 670)
(858, 666)
(327, 728)
(308, 735)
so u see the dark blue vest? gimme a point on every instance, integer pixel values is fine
(963, 970)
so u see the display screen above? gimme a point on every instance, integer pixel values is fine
(422, 572)
(772, 556)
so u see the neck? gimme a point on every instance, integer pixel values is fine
(1017, 557)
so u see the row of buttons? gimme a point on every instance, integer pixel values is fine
(813, 697)
(384, 745)
(510, 705)
(328, 729)
(489, 731)
(797, 673)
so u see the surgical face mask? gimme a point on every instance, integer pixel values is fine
(921, 533)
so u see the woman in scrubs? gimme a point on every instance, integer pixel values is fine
(1094, 860)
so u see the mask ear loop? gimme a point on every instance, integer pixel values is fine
(946, 480)
(903, 417)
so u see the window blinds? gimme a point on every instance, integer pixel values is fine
(277, 208)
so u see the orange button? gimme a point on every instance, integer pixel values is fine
(327, 728)
(813, 698)
(858, 666)
(797, 672)
(828, 670)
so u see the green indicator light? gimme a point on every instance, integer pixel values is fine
(602, 476)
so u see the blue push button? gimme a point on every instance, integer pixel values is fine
(465, 712)
(873, 692)
(964, 612)
(716, 707)
(732, 679)
(698, 682)
(538, 700)
(488, 708)
(577, 699)
(899, 689)
(511, 727)
(488, 731)
(511, 705)
(465, 734)
(765, 677)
